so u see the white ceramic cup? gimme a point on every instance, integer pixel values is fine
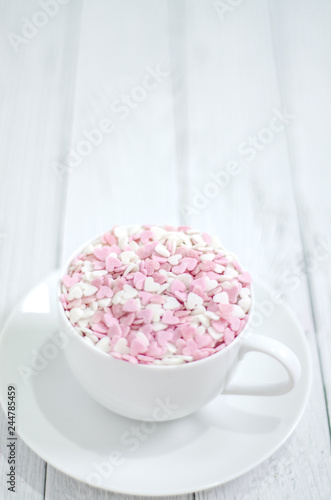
(158, 393)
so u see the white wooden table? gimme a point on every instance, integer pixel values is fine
(182, 92)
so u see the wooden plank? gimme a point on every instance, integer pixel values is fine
(131, 175)
(34, 122)
(61, 486)
(233, 93)
(303, 51)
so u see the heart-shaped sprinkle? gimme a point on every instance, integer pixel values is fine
(70, 281)
(169, 319)
(150, 285)
(75, 293)
(104, 292)
(89, 290)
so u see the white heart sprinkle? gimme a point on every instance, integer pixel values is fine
(208, 256)
(163, 288)
(244, 292)
(90, 290)
(150, 285)
(237, 311)
(185, 278)
(127, 256)
(104, 344)
(193, 300)
(142, 337)
(171, 303)
(174, 259)
(118, 297)
(245, 304)
(162, 250)
(129, 292)
(157, 326)
(210, 284)
(75, 293)
(213, 333)
(231, 272)
(83, 323)
(221, 298)
(75, 314)
(87, 340)
(123, 242)
(87, 313)
(104, 302)
(121, 346)
(218, 269)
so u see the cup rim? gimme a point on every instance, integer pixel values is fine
(141, 366)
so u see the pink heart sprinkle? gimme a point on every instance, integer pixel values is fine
(102, 253)
(125, 329)
(219, 325)
(112, 263)
(128, 319)
(131, 305)
(234, 324)
(139, 280)
(187, 331)
(203, 340)
(177, 286)
(97, 282)
(189, 262)
(201, 282)
(228, 336)
(225, 310)
(233, 293)
(137, 346)
(99, 327)
(169, 319)
(207, 265)
(146, 250)
(70, 281)
(147, 315)
(180, 269)
(104, 291)
(114, 329)
(110, 320)
(163, 337)
(190, 348)
(154, 350)
(145, 297)
(181, 296)
(245, 278)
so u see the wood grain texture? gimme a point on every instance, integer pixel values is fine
(36, 90)
(61, 486)
(303, 51)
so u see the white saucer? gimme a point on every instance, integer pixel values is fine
(69, 430)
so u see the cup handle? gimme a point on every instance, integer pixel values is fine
(276, 350)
